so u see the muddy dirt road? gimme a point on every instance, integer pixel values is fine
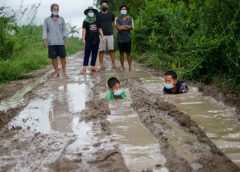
(65, 124)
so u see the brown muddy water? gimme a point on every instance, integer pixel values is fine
(138, 146)
(216, 119)
(49, 134)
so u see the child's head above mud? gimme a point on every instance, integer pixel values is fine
(170, 77)
(116, 91)
(172, 85)
(114, 84)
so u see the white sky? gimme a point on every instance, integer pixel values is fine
(70, 10)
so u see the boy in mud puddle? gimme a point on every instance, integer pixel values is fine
(116, 91)
(172, 85)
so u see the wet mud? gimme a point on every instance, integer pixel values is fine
(65, 124)
(227, 97)
(183, 142)
(230, 99)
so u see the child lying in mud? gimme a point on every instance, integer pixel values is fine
(172, 85)
(116, 91)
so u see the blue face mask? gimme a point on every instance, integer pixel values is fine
(118, 92)
(168, 86)
(90, 14)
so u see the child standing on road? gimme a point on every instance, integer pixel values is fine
(90, 38)
(116, 91)
(124, 25)
(172, 85)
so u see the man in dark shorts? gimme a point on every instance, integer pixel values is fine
(55, 37)
(124, 25)
(105, 20)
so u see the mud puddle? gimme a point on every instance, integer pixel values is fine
(18, 98)
(54, 113)
(49, 134)
(139, 148)
(216, 119)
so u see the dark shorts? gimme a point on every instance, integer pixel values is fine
(55, 51)
(125, 47)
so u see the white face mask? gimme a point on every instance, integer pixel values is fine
(168, 86)
(90, 14)
(118, 92)
(55, 13)
(123, 12)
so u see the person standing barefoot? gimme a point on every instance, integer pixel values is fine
(55, 38)
(106, 22)
(124, 25)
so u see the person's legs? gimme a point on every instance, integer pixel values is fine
(94, 54)
(101, 54)
(121, 52)
(87, 53)
(112, 55)
(52, 54)
(129, 59)
(129, 56)
(55, 65)
(61, 52)
(122, 60)
(110, 44)
(63, 61)
(102, 48)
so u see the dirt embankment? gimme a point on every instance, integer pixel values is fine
(185, 145)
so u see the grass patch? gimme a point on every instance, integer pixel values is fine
(32, 57)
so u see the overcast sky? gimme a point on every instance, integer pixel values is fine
(71, 10)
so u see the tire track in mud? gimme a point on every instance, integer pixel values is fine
(90, 149)
(185, 145)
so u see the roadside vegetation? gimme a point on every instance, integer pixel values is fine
(200, 39)
(21, 49)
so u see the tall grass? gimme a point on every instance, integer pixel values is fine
(29, 54)
(22, 49)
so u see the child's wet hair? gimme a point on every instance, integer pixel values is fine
(112, 81)
(171, 73)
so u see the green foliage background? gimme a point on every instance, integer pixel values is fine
(21, 49)
(200, 39)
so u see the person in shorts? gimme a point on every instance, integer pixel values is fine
(106, 19)
(55, 37)
(124, 25)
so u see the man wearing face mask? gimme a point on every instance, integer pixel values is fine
(105, 19)
(124, 25)
(55, 37)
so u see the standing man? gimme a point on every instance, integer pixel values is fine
(124, 25)
(55, 37)
(105, 19)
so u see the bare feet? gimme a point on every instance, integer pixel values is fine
(56, 74)
(84, 70)
(101, 69)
